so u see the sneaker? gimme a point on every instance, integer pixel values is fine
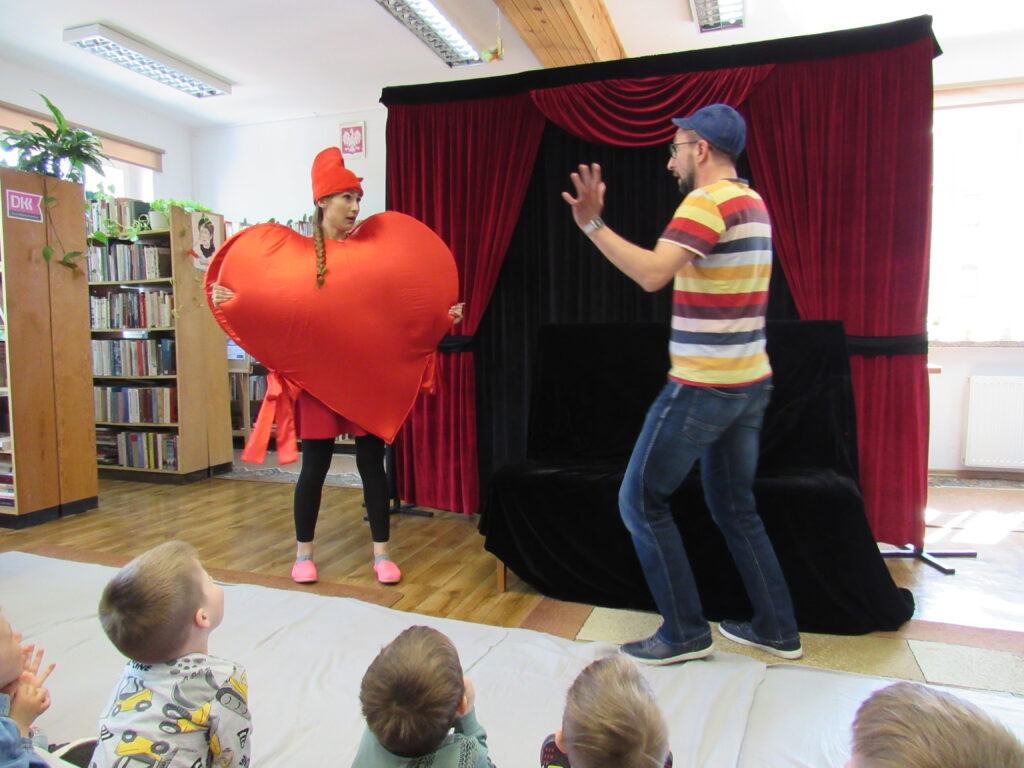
(655, 652)
(387, 572)
(741, 632)
(76, 752)
(304, 570)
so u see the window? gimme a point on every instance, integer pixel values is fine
(977, 254)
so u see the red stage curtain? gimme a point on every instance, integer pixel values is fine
(637, 112)
(841, 150)
(461, 168)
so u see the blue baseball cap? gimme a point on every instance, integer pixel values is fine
(718, 124)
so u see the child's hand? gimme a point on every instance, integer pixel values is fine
(33, 659)
(28, 702)
(470, 694)
(455, 312)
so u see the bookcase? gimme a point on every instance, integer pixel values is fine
(160, 375)
(47, 466)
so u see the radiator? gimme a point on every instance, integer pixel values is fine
(995, 422)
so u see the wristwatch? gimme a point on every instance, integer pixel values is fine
(593, 225)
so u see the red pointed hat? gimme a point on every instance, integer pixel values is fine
(330, 176)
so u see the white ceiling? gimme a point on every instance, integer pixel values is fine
(315, 57)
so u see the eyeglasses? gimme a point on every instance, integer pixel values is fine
(673, 152)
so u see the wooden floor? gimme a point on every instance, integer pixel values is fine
(246, 527)
(243, 531)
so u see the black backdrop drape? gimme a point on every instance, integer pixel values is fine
(552, 274)
(841, 119)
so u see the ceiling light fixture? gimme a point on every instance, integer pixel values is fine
(139, 57)
(712, 15)
(423, 19)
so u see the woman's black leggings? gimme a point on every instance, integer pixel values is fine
(316, 460)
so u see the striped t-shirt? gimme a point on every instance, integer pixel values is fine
(720, 297)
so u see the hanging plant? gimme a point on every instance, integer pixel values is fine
(63, 152)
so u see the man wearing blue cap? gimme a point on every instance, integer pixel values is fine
(717, 249)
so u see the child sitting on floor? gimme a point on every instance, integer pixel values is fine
(913, 726)
(412, 696)
(175, 704)
(611, 718)
(22, 699)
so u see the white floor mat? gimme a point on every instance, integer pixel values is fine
(305, 655)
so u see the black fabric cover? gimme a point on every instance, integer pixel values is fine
(554, 520)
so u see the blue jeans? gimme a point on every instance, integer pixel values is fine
(721, 427)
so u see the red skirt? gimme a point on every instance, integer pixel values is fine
(315, 421)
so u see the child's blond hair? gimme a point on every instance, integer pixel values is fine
(411, 692)
(913, 726)
(148, 608)
(612, 718)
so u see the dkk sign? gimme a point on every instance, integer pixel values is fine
(23, 205)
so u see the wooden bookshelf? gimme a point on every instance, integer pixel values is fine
(196, 441)
(46, 428)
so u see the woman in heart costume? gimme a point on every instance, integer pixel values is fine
(337, 193)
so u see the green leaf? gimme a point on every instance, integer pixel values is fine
(58, 116)
(100, 237)
(47, 252)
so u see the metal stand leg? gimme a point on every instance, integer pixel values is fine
(918, 553)
(397, 507)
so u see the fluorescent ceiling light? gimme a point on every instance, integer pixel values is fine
(712, 15)
(423, 19)
(139, 57)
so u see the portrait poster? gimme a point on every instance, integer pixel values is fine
(207, 236)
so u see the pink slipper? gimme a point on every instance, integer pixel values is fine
(304, 571)
(387, 572)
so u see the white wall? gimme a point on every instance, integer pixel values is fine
(258, 172)
(104, 111)
(949, 396)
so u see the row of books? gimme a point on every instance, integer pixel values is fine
(254, 387)
(3, 363)
(121, 210)
(131, 309)
(139, 450)
(136, 405)
(127, 261)
(6, 485)
(133, 357)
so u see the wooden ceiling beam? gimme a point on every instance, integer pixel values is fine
(564, 32)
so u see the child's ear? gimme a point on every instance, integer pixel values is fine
(202, 618)
(558, 740)
(463, 707)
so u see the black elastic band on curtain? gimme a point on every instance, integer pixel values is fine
(454, 343)
(889, 346)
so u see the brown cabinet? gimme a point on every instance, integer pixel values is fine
(47, 449)
(160, 372)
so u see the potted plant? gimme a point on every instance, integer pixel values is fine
(160, 211)
(62, 152)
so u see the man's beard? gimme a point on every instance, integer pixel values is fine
(686, 183)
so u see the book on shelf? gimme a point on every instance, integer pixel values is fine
(136, 405)
(136, 450)
(133, 357)
(128, 261)
(123, 211)
(119, 308)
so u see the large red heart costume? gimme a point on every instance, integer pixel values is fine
(363, 343)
